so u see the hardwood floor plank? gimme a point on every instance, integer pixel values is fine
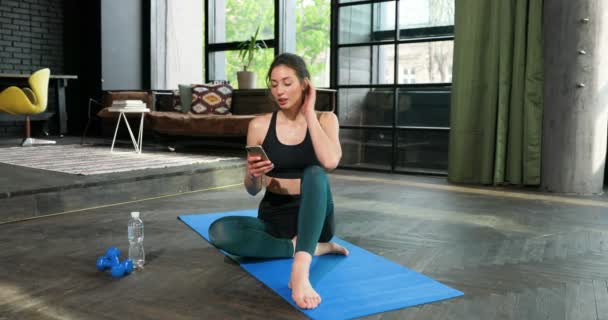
(580, 301)
(514, 257)
(600, 288)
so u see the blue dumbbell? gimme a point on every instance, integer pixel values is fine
(121, 269)
(113, 251)
(110, 259)
(105, 262)
(128, 263)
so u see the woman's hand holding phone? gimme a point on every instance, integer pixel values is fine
(258, 163)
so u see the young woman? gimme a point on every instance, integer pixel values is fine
(295, 217)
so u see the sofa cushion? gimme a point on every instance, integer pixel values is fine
(211, 99)
(185, 96)
(204, 125)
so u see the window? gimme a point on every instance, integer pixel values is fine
(393, 72)
(196, 41)
(433, 59)
(231, 22)
(299, 26)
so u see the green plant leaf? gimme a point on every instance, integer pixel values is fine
(248, 48)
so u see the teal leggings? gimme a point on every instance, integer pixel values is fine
(280, 217)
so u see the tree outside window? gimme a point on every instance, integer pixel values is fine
(242, 17)
(312, 37)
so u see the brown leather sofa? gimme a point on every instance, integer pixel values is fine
(246, 105)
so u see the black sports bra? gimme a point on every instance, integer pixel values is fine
(289, 160)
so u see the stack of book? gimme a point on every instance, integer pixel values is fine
(128, 105)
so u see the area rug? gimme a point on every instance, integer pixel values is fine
(90, 160)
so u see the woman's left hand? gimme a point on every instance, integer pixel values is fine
(310, 97)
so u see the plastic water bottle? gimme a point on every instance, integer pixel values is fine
(136, 241)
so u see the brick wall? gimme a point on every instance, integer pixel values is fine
(31, 38)
(31, 35)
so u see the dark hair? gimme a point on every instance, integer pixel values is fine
(292, 61)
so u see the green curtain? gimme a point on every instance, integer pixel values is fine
(497, 92)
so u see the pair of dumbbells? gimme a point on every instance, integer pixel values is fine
(111, 261)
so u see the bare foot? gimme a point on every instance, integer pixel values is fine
(330, 248)
(322, 249)
(302, 292)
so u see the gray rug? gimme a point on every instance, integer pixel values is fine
(90, 160)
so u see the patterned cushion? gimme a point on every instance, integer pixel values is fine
(211, 99)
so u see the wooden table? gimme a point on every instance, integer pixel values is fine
(58, 81)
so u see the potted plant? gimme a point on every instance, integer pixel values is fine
(247, 50)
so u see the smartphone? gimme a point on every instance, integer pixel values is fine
(258, 151)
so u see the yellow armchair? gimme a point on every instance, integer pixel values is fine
(28, 101)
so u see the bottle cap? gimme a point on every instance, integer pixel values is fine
(135, 214)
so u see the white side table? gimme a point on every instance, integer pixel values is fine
(136, 143)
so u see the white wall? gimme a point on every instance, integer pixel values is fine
(121, 32)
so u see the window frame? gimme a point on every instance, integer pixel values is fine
(398, 37)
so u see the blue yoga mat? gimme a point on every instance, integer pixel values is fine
(354, 286)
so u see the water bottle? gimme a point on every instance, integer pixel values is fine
(136, 241)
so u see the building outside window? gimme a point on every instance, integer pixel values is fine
(408, 75)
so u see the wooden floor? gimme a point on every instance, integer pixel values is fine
(514, 255)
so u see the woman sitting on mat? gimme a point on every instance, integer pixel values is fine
(295, 217)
